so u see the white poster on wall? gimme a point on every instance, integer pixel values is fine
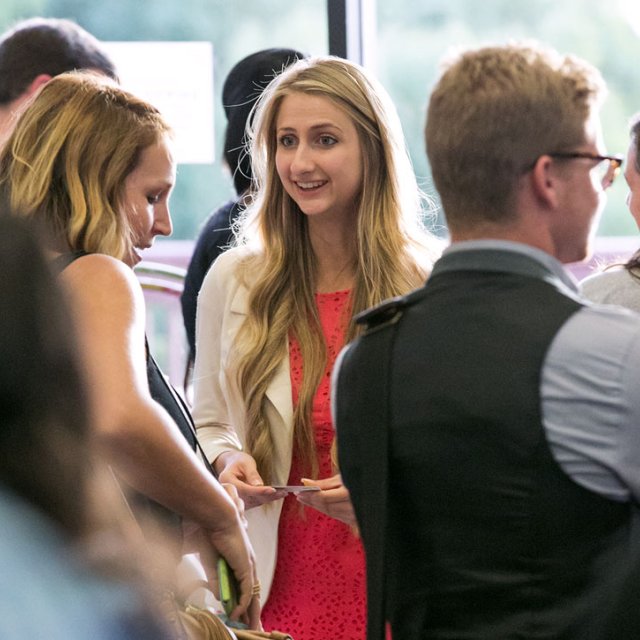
(177, 78)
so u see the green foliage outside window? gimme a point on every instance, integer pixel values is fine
(236, 29)
(412, 36)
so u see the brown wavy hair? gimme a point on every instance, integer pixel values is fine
(68, 158)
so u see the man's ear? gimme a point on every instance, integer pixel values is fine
(544, 182)
(36, 84)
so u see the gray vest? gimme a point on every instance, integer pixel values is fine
(486, 535)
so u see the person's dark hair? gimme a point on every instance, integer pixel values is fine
(633, 264)
(242, 88)
(46, 46)
(43, 411)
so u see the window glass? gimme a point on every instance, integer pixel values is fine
(236, 29)
(412, 38)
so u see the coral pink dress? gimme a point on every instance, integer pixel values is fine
(319, 586)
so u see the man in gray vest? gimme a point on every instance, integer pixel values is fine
(489, 423)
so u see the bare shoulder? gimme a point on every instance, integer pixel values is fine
(97, 271)
(98, 278)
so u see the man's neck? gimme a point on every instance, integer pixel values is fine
(9, 114)
(518, 230)
(6, 124)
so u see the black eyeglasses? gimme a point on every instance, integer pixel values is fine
(608, 167)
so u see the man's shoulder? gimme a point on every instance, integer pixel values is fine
(606, 316)
(387, 313)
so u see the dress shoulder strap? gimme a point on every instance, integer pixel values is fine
(61, 262)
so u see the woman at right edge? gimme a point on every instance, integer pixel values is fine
(620, 283)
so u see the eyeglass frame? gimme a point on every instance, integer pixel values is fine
(615, 162)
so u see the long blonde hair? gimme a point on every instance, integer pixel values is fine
(393, 252)
(66, 162)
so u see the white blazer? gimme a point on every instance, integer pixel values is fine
(218, 408)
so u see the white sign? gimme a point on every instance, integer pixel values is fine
(177, 78)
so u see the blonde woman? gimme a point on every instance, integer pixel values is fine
(333, 228)
(94, 165)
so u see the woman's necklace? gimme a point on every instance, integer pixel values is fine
(341, 280)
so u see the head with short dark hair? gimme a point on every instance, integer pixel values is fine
(492, 113)
(47, 46)
(68, 158)
(633, 264)
(242, 87)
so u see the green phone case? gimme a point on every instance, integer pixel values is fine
(228, 587)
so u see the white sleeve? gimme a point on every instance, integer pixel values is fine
(210, 402)
(590, 400)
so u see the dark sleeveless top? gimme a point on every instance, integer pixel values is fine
(487, 536)
(162, 392)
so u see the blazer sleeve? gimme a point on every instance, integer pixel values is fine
(211, 410)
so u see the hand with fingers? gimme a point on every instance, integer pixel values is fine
(232, 543)
(239, 469)
(333, 499)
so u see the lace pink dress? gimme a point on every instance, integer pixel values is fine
(319, 587)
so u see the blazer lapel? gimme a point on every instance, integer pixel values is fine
(279, 389)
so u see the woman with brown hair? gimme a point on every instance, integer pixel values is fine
(621, 285)
(94, 165)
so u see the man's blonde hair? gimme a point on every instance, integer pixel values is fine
(493, 112)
